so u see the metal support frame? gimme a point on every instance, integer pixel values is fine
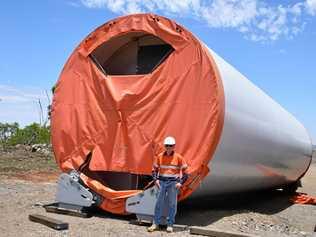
(143, 205)
(72, 194)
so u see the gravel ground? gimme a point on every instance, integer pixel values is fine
(17, 199)
(261, 214)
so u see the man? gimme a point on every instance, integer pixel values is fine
(169, 175)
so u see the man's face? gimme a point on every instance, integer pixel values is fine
(169, 148)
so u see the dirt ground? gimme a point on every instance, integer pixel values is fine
(23, 190)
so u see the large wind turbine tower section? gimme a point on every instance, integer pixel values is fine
(139, 78)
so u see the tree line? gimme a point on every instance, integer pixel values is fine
(12, 134)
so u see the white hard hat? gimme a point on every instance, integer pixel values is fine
(169, 141)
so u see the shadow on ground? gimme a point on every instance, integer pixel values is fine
(203, 212)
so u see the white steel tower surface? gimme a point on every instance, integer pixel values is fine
(262, 145)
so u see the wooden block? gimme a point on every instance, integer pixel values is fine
(216, 233)
(50, 222)
(54, 208)
(177, 227)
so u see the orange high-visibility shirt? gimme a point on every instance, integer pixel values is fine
(169, 166)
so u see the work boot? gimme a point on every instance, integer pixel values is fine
(169, 229)
(153, 227)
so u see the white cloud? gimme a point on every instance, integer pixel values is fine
(21, 104)
(95, 3)
(73, 4)
(311, 6)
(12, 94)
(257, 20)
(282, 51)
(229, 13)
(13, 98)
(272, 23)
(136, 6)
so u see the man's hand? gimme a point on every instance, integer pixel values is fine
(178, 185)
(157, 183)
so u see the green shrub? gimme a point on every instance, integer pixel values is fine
(12, 134)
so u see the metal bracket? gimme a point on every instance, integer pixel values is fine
(71, 191)
(143, 205)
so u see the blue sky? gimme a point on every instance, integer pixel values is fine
(273, 43)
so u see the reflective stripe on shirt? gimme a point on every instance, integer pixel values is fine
(169, 167)
(169, 175)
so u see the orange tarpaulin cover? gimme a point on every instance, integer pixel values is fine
(122, 120)
(303, 198)
(114, 201)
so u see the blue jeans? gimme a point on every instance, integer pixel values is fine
(167, 196)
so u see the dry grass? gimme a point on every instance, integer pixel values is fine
(19, 161)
